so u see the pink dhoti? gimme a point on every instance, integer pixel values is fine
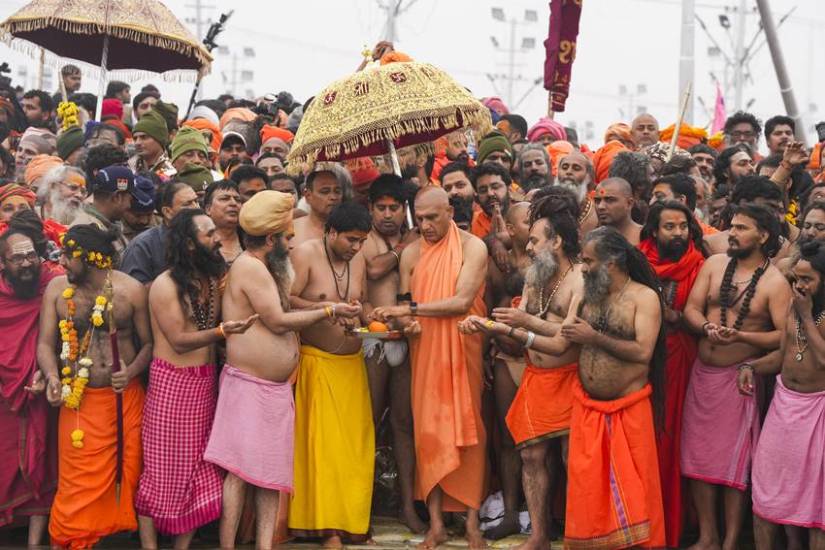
(178, 489)
(720, 427)
(253, 433)
(788, 466)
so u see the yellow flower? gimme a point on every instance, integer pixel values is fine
(62, 324)
(77, 444)
(68, 293)
(91, 256)
(66, 381)
(77, 253)
(77, 435)
(100, 301)
(97, 320)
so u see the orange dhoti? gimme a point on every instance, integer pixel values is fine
(614, 498)
(85, 507)
(450, 440)
(543, 404)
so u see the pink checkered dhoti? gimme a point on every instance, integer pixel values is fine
(178, 489)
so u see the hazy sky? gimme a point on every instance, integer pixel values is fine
(302, 46)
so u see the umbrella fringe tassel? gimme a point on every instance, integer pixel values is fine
(8, 31)
(93, 71)
(458, 117)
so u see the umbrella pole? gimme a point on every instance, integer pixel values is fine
(104, 58)
(396, 169)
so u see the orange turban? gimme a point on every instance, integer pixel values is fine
(268, 132)
(267, 212)
(394, 57)
(38, 166)
(14, 190)
(362, 170)
(239, 113)
(604, 156)
(557, 150)
(117, 123)
(204, 124)
(688, 135)
(717, 141)
(618, 131)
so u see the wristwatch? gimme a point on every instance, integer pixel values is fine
(413, 308)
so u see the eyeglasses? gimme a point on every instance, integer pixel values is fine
(19, 259)
(818, 226)
(742, 135)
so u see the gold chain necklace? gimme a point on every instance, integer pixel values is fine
(801, 340)
(544, 307)
(586, 211)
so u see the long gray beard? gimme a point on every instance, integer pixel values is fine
(284, 275)
(543, 268)
(579, 190)
(62, 211)
(596, 286)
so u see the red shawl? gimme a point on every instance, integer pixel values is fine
(28, 421)
(681, 352)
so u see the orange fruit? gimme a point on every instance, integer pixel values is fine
(378, 326)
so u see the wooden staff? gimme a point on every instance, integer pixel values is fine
(116, 367)
(678, 126)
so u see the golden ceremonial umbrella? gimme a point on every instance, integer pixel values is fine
(113, 34)
(372, 112)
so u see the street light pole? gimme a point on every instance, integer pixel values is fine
(779, 66)
(686, 58)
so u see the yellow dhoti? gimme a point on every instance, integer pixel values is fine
(334, 447)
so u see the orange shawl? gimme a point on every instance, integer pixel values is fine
(482, 223)
(447, 384)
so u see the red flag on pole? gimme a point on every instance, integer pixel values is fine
(560, 48)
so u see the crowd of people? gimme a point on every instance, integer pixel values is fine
(622, 338)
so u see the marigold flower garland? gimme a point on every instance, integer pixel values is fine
(75, 372)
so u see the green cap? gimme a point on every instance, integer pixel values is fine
(188, 139)
(153, 125)
(69, 141)
(492, 142)
(169, 112)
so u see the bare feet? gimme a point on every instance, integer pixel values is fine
(533, 543)
(333, 542)
(705, 545)
(435, 536)
(509, 526)
(412, 521)
(475, 540)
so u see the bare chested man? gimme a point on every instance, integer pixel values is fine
(322, 192)
(508, 363)
(185, 308)
(539, 418)
(388, 367)
(613, 200)
(576, 173)
(259, 362)
(739, 305)
(82, 379)
(444, 272)
(621, 348)
(762, 191)
(793, 431)
(335, 440)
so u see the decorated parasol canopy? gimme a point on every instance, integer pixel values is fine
(376, 110)
(112, 34)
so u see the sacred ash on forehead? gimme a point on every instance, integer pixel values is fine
(22, 247)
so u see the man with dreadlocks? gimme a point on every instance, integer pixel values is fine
(539, 417)
(621, 335)
(672, 243)
(98, 463)
(738, 305)
(788, 466)
(179, 492)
